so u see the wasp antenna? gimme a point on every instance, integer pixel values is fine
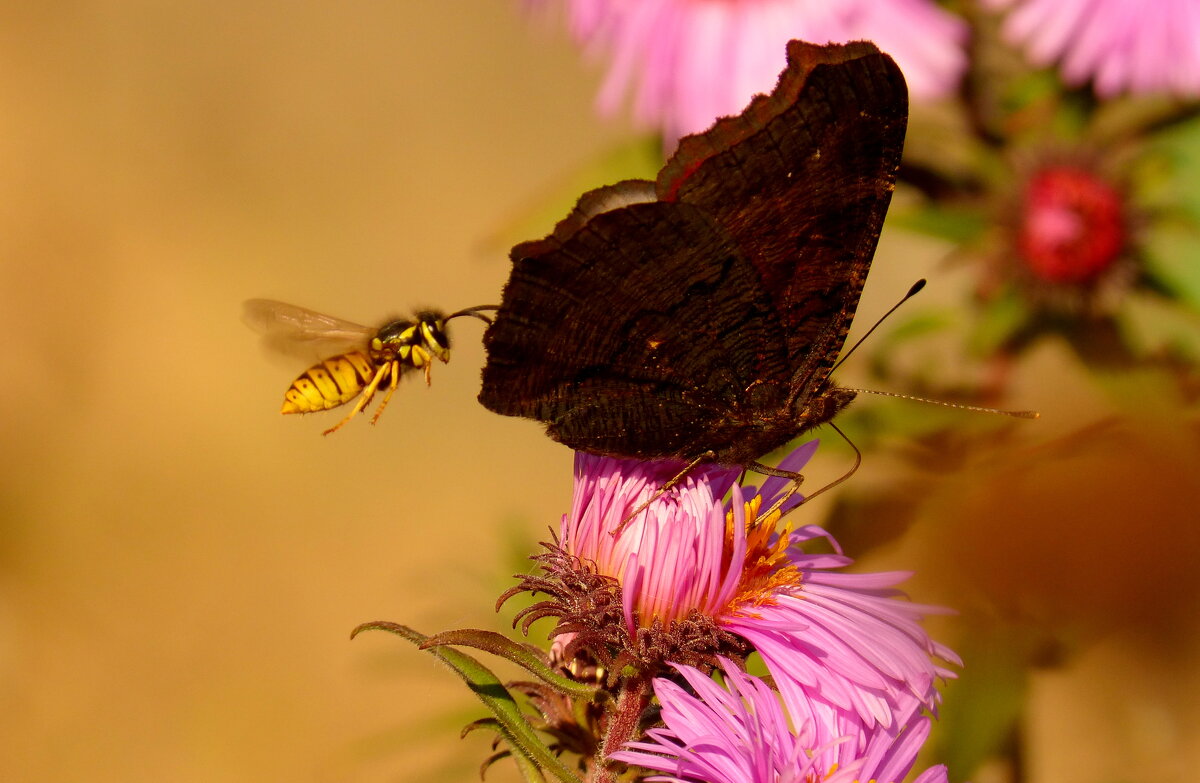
(474, 312)
(958, 405)
(913, 291)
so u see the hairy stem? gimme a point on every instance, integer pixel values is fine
(623, 723)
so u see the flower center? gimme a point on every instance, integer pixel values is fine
(1072, 228)
(767, 566)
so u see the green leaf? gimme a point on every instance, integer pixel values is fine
(520, 654)
(982, 710)
(997, 321)
(1181, 147)
(1118, 121)
(1153, 326)
(1172, 256)
(512, 724)
(959, 225)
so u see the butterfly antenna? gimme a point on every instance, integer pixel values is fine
(474, 312)
(959, 405)
(916, 287)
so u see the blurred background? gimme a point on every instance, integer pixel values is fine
(180, 566)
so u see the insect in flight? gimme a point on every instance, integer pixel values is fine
(698, 317)
(360, 358)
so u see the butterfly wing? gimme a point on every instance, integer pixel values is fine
(690, 315)
(802, 180)
(636, 332)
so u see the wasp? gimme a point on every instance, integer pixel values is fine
(361, 358)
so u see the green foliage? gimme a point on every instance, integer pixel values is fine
(1172, 257)
(1152, 327)
(997, 321)
(509, 720)
(638, 158)
(980, 719)
(960, 224)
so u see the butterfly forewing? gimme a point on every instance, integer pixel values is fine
(808, 191)
(706, 320)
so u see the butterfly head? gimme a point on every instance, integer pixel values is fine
(815, 409)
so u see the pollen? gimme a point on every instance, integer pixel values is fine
(767, 567)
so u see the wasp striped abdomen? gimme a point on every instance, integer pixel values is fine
(364, 359)
(330, 383)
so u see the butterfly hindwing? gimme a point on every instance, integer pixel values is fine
(589, 339)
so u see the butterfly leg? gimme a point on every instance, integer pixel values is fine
(797, 478)
(391, 390)
(363, 399)
(665, 488)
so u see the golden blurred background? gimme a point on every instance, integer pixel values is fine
(180, 566)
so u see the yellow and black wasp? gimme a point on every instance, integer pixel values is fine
(361, 358)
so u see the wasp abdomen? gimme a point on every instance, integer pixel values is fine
(330, 383)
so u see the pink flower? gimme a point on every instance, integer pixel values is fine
(743, 732)
(1069, 242)
(1119, 45)
(691, 61)
(1072, 227)
(692, 571)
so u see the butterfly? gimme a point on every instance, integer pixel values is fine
(698, 317)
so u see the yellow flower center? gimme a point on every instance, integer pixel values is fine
(767, 567)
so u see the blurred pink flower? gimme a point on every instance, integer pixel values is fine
(689, 561)
(691, 61)
(743, 733)
(1066, 242)
(1120, 45)
(1072, 227)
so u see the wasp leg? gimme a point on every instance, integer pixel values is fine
(391, 390)
(367, 394)
(428, 374)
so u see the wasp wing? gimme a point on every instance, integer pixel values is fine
(303, 333)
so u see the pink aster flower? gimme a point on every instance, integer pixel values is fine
(1118, 45)
(695, 578)
(743, 732)
(1069, 242)
(688, 62)
(1072, 226)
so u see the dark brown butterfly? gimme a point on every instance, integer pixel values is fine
(699, 316)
